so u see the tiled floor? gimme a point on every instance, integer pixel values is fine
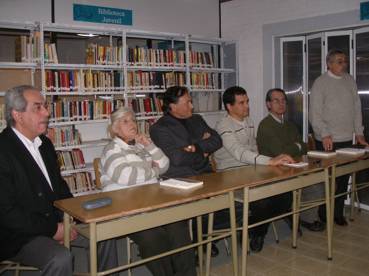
(350, 254)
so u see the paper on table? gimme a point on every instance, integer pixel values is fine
(296, 165)
(351, 151)
(184, 184)
(321, 154)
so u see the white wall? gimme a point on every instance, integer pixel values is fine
(198, 17)
(25, 10)
(252, 23)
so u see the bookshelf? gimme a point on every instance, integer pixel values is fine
(87, 72)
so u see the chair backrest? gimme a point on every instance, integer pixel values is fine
(311, 142)
(97, 172)
(213, 163)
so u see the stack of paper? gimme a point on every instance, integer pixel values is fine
(321, 154)
(351, 151)
(184, 184)
(296, 165)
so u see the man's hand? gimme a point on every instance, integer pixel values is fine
(360, 139)
(206, 136)
(280, 160)
(190, 148)
(59, 235)
(327, 143)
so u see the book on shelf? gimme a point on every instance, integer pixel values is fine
(181, 183)
(50, 54)
(103, 55)
(352, 151)
(203, 80)
(64, 136)
(71, 159)
(141, 56)
(80, 182)
(141, 80)
(321, 154)
(83, 81)
(201, 59)
(27, 48)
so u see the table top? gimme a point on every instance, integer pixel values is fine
(145, 198)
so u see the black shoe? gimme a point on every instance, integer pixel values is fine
(341, 221)
(316, 226)
(288, 220)
(256, 243)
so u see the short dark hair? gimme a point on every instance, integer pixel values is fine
(229, 96)
(172, 95)
(268, 97)
(332, 53)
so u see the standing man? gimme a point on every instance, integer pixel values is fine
(31, 228)
(277, 136)
(239, 149)
(335, 115)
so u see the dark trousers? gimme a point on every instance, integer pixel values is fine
(54, 259)
(164, 238)
(259, 210)
(267, 208)
(341, 184)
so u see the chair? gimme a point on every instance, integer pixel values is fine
(14, 266)
(129, 242)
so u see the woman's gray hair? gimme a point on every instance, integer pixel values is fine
(14, 100)
(116, 115)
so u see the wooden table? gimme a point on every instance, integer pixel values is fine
(143, 207)
(259, 182)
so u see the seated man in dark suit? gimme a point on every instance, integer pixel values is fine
(31, 228)
(276, 136)
(187, 141)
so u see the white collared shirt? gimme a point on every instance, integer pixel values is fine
(32, 147)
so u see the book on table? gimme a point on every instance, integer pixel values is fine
(181, 183)
(321, 154)
(351, 151)
(296, 165)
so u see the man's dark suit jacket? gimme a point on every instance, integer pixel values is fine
(169, 134)
(26, 199)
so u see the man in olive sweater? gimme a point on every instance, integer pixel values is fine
(277, 136)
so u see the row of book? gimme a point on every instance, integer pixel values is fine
(2, 113)
(27, 48)
(202, 80)
(201, 59)
(144, 126)
(64, 136)
(154, 80)
(80, 182)
(71, 159)
(105, 55)
(156, 57)
(79, 110)
(83, 80)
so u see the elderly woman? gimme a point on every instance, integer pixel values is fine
(132, 159)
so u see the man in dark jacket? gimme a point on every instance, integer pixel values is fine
(188, 141)
(31, 228)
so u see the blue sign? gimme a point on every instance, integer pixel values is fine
(97, 14)
(364, 10)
